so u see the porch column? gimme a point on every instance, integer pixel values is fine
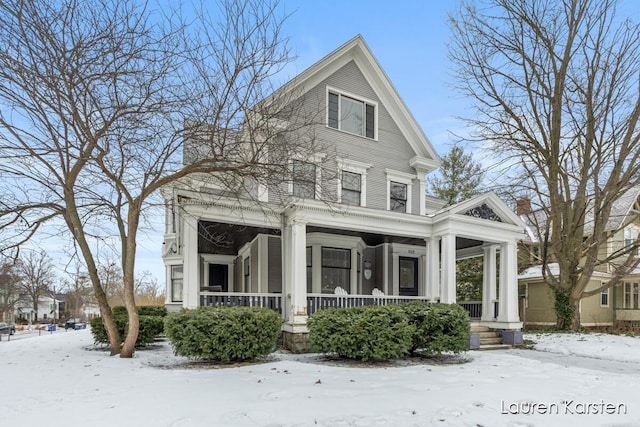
(191, 262)
(448, 273)
(353, 275)
(488, 282)
(294, 268)
(432, 274)
(508, 302)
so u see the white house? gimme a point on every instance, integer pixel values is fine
(371, 237)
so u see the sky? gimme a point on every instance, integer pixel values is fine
(60, 379)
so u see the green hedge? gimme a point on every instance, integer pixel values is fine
(223, 334)
(151, 325)
(392, 331)
(373, 332)
(439, 328)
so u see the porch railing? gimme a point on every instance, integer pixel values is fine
(316, 302)
(231, 299)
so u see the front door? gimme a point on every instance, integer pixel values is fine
(408, 276)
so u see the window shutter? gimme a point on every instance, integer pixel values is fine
(333, 110)
(370, 122)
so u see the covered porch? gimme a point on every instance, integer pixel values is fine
(312, 256)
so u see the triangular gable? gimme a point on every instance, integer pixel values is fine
(357, 50)
(487, 206)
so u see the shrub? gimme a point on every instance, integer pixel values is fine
(439, 328)
(373, 332)
(151, 326)
(223, 334)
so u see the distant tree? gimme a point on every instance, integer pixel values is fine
(9, 288)
(37, 277)
(77, 290)
(555, 88)
(458, 178)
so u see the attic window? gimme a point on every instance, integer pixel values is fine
(352, 115)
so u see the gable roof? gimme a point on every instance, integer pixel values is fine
(488, 202)
(621, 210)
(357, 50)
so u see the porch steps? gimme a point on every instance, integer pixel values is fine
(489, 339)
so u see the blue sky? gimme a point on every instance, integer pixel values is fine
(407, 37)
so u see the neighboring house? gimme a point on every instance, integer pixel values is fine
(49, 306)
(614, 307)
(374, 238)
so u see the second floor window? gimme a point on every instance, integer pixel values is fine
(397, 197)
(304, 179)
(351, 115)
(351, 188)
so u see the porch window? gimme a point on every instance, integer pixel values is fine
(351, 188)
(397, 197)
(604, 298)
(304, 179)
(177, 276)
(336, 269)
(350, 114)
(630, 295)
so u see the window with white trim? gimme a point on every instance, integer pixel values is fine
(604, 298)
(397, 197)
(352, 182)
(336, 269)
(630, 241)
(351, 188)
(350, 114)
(177, 282)
(304, 179)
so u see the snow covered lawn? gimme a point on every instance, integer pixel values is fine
(60, 380)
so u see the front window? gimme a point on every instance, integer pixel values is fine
(336, 269)
(304, 179)
(351, 188)
(177, 277)
(398, 197)
(351, 115)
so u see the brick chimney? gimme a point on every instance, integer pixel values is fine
(523, 206)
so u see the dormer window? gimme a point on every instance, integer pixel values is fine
(350, 114)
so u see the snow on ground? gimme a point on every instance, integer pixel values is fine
(60, 379)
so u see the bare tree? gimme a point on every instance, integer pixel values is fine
(555, 88)
(9, 288)
(37, 277)
(101, 98)
(77, 290)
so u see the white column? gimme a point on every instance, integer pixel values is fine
(316, 269)
(508, 302)
(294, 269)
(448, 282)
(191, 263)
(488, 282)
(433, 268)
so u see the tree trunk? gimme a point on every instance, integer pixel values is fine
(129, 346)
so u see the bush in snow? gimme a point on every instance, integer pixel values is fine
(223, 334)
(439, 328)
(151, 325)
(372, 332)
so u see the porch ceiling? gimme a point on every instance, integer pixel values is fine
(227, 239)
